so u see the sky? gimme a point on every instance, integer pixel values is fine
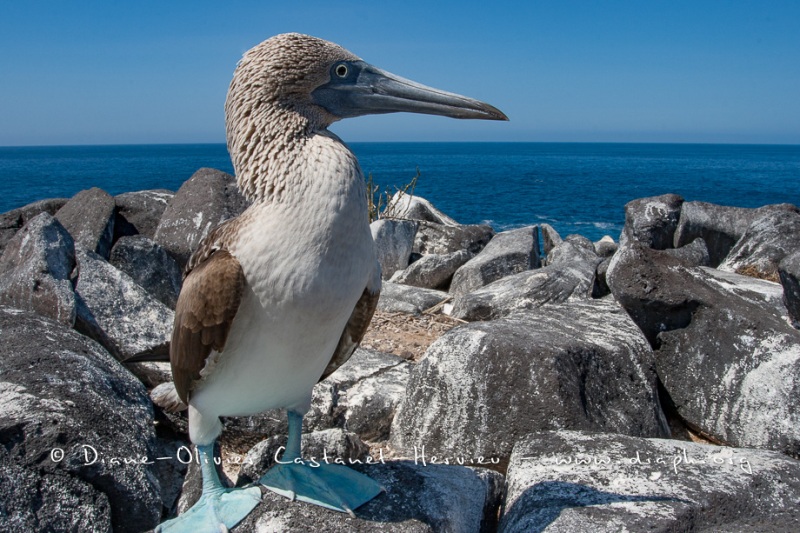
(102, 72)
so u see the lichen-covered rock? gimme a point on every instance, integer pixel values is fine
(139, 212)
(394, 240)
(35, 270)
(719, 226)
(693, 254)
(12, 221)
(63, 398)
(765, 243)
(484, 385)
(114, 310)
(410, 207)
(432, 271)
(789, 270)
(550, 238)
(418, 499)
(726, 354)
(435, 238)
(509, 252)
(652, 221)
(566, 481)
(397, 298)
(203, 201)
(89, 218)
(150, 266)
(569, 275)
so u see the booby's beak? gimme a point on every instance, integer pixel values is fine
(357, 88)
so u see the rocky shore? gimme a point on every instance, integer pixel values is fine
(512, 381)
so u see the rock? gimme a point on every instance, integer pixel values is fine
(758, 291)
(440, 239)
(432, 271)
(578, 481)
(89, 218)
(63, 397)
(117, 312)
(394, 240)
(652, 221)
(35, 270)
(767, 240)
(410, 207)
(719, 226)
(362, 397)
(509, 252)
(150, 266)
(418, 498)
(550, 238)
(326, 446)
(789, 271)
(605, 247)
(397, 298)
(692, 254)
(206, 199)
(569, 275)
(151, 373)
(725, 354)
(140, 212)
(600, 288)
(12, 221)
(171, 473)
(484, 385)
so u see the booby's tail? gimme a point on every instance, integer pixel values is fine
(166, 397)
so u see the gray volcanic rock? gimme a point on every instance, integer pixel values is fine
(484, 385)
(410, 207)
(576, 481)
(769, 239)
(719, 226)
(569, 275)
(140, 212)
(327, 445)
(509, 252)
(397, 298)
(692, 254)
(89, 218)
(652, 221)
(725, 353)
(394, 240)
(12, 221)
(418, 498)
(789, 271)
(432, 271)
(435, 238)
(550, 238)
(62, 398)
(150, 266)
(114, 310)
(207, 198)
(605, 247)
(35, 270)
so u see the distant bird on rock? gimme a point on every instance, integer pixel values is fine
(279, 297)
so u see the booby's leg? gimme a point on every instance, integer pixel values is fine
(332, 486)
(219, 508)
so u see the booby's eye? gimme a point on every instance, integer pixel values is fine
(341, 70)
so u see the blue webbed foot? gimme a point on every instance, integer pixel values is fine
(332, 486)
(218, 509)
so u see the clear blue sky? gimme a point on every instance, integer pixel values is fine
(106, 72)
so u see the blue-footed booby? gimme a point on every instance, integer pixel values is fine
(279, 297)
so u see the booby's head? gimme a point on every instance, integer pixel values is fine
(324, 83)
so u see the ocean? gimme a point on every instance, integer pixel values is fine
(575, 187)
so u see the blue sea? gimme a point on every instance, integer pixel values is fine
(576, 187)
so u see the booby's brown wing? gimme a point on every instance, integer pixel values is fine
(208, 302)
(354, 330)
